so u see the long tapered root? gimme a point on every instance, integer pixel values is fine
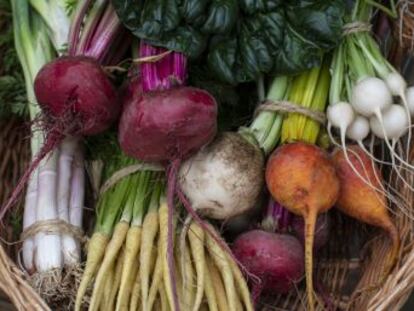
(196, 238)
(135, 293)
(132, 245)
(209, 289)
(156, 280)
(96, 250)
(117, 268)
(113, 249)
(220, 260)
(149, 232)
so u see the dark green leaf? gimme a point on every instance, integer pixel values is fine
(242, 38)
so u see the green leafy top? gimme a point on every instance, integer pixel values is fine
(12, 86)
(242, 38)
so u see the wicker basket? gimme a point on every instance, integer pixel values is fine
(347, 268)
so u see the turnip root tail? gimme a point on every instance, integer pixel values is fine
(53, 139)
(171, 189)
(310, 220)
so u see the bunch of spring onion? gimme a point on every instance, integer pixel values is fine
(370, 99)
(56, 186)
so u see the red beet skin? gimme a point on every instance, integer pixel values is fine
(163, 125)
(277, 259)
(76, 92)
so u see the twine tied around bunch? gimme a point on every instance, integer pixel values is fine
(355, 27)
(53, 226)
(288, 107)
(128, 170)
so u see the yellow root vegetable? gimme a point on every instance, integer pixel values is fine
(156, 280)
(135, 293)
(188, 275)
(149, 233)
(220, 259)
(241, 285)
(163, 298)
(209, 289)
(108, 288)
(96, 251)
(132, 245)
(117, 268)
(168, 282)
(112, 252)
(218, 286)
(196, 238)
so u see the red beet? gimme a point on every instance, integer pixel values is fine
(76, 98)
(322, 227)
(277, 259)
(160, 126)
(76, 92)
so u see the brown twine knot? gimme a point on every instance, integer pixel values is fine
(53, 226)
(286, 107)
(355, 27)
(124, 172)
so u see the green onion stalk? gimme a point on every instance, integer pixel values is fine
(310, 91)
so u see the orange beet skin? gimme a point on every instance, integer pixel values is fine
(360, 197)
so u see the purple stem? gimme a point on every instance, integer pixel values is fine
(281, 216)
(165, 73)
(76, 26)
(108, 30)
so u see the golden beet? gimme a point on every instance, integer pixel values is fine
(302, 178)
(360, 197)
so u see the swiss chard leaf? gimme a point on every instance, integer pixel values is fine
(242, 38)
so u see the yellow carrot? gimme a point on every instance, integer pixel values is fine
(108, 288)
(132, 245)
(156, 280)
(220, 259)
(163, 298)
(209, 289)
(188, 276)
(163, 221)
(112, 252)
(218, 285)
(96, 249)
(241, 285)
(117, 268)
(196, 238)
(149, 232)
(136, 290)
